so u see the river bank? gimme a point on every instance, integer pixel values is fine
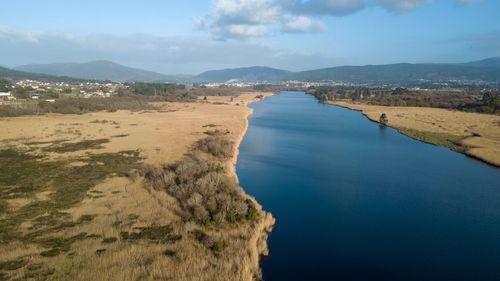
(473, 134)
(89, 236)
(257, 244)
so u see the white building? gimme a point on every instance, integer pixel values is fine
(4, 96)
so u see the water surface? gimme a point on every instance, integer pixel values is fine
(356, 201)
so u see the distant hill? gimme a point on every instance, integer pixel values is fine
(98, 70)
(7, 73)
(254, 73)
(486, 70)
(403, 72)
(490, 62)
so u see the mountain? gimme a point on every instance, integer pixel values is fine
(403, 72)
(7, 73)
(485, 70)
(98, 70)
(490, 62)
(254, 73)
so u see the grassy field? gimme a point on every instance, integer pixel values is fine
(78, 200)
(474, 134)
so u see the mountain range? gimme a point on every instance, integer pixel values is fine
(20, 75)
(484, 70)
(254, 73)
(97, 70)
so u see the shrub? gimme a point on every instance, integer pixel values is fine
(201, 185)
(252, 212)
(218, 247)
(217, 146)
(108, 240)
(383, 119)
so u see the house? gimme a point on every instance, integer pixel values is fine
(35, 96)
(5, 96)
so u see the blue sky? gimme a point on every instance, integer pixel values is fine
(192, 36)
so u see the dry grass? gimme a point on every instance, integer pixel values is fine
(170, 132)
(119, 228)
(475, 134)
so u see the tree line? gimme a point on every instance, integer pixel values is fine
(472, 101)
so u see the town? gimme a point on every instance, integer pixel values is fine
(26, 90)
(20, 91)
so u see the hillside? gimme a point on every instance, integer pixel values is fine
(490, 62)
(255, 73)
(403, 72)
(8, 73)
(485, 70)
(98, 70)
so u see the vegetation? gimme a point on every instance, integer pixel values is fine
(134, 96)
(154, 233)
(216, 145)
(200, 183)
(5, 85)
(13, 264)
(109, 240)
(76, 106)
(24, 175)
(399, 73)
(491, 102)
(154, 89)
(82, 145)
(75, 225)
(17, 75)
(472, 101)
(383, 119)
(447, 140)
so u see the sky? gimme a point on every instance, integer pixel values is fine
(189, 37)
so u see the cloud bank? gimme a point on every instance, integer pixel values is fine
(241, 19)
(170, 55)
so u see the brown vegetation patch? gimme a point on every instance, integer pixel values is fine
(81, 145)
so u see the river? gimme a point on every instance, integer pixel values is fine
(357, 201)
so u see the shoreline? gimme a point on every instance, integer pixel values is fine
(258, 246)
(241, 136)
(465, 150)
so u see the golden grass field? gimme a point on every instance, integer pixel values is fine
(474, 134)
(119, 203)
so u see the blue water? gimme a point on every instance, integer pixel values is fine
(356, 201)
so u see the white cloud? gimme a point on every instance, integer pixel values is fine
(242, 19)
(242, 12)
(302, 24)
(11, 34)
(327, 7)
(252, 18)
(402, 5)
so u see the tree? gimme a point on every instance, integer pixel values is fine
(383, 119)
(4, 86)
(400, 91)
(491, 100)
